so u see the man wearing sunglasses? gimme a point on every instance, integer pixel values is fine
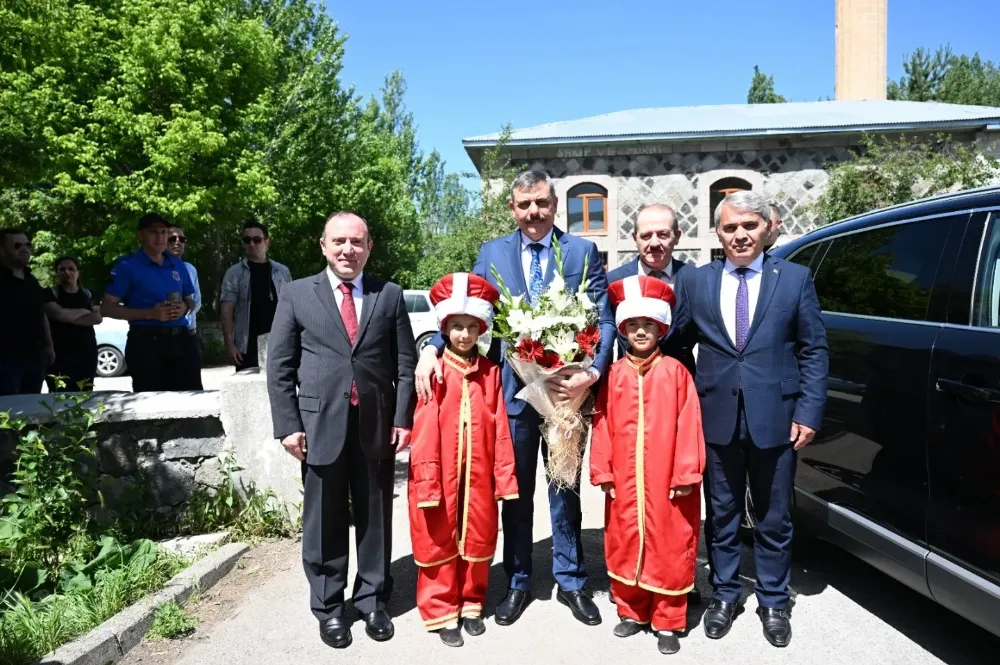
(176, 244)
(250, 292)
(26, 347)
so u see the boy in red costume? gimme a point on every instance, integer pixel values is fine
(461, 464)
(648, 455)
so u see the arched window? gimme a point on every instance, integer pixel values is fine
(720, 190)
(587, 209)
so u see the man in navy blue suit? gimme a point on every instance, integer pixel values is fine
(656, 234)
(761, 377)
(526, 263)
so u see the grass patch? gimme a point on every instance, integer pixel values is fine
(30, 629)
(172, 621)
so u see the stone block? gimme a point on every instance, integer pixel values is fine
(113, 489)
(250, 436)
(117, 454)
(209, 474)
(191, 546)
(170, 483)
(182, 448)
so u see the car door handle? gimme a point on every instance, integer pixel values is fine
(967, 391)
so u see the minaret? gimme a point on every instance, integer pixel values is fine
(861, 49)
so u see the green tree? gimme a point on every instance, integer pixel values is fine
(946, 77)
(208, 111)
(762, 89)
(890, 172)
(461, 226)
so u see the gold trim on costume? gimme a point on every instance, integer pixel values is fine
(434, 563)
(509, 497)
(477, 559)
(434, 624)
(471, 610)
(428, 504)
(665, 592)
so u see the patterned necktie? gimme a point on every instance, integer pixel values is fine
(657, 274)
(535, 278)
(742, 309)
(349, 313)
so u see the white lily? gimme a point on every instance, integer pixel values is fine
(563, 343)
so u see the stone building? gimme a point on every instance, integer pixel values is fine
(606, 167)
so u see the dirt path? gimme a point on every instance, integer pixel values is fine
(220, 603)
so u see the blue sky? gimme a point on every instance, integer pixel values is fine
(472, 66)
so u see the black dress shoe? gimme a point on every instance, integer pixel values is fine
(452, 636)
(512, 607)
(667, 642)
(628, 628)
(777, 625)
(719, 618)
(474, 626)
(378, 625)
(582, 606)
(335, 633)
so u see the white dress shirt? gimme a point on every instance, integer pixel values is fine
(668, 272)
(543, 255)
(727, 292)
(356, 290)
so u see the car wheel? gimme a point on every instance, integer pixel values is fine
(110, 362)
(423, 340)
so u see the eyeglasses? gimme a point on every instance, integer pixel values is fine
(252, 239)
(180, 239)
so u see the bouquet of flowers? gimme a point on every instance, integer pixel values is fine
(541, 339)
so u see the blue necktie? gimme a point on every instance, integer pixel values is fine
(742, 309)
(535, 278)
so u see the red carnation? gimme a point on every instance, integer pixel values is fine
(588, 339)
(551, 360)
(530, 351)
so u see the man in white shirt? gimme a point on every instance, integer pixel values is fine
(340, 381)
(761, 379)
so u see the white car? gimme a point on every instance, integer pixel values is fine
(422, 317)
(112, 334)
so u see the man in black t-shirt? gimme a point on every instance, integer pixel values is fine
(250, 292)
(26, 348)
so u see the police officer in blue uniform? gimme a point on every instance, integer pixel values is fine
(153, 292)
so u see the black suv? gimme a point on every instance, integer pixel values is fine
(905, 472)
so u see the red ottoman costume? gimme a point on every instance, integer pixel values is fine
(461, 464)
(647, 439)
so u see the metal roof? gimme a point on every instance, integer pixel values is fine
(751, 120)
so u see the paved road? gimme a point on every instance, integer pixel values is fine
(211, 379)
(845, 613)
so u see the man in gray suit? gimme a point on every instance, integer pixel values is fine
(340, 378)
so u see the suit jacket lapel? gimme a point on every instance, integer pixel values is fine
(324, 292)
(768, 282)
(550, 270)
(516, 283)
(715, 291)
(367, 306)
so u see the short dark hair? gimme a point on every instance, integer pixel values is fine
(254, 224)
(66, 258)
(152, 218)
(11, 231)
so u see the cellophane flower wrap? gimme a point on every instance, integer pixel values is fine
(541, 339)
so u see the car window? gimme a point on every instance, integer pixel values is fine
(887, 271)
(416, 303)
(986, 296)
(805, 255)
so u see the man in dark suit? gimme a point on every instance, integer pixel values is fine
(340, 379)
(656, 234)
(761, 377)
(525, 260)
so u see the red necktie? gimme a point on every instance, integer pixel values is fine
(350, 316)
